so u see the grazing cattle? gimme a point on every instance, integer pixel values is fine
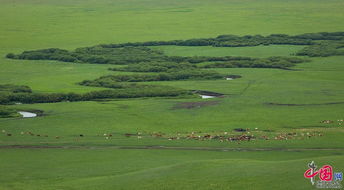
(9, 134)
(217, 137)
(57, 137)
(240, 130)
(326, 121)
(157, 135)
(81, 135)
(30, 133)
(128, 134)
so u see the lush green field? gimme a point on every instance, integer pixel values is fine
(272, 100)
(158, 169)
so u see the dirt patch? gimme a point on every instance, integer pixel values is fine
(194, 105)
(278, 104)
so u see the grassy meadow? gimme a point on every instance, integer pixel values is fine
(47, 152)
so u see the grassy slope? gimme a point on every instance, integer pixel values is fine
(158, 169)
(37, 24)
(34, 25)
(244, 107)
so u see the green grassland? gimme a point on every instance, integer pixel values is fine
(313, 90)
(158, 169)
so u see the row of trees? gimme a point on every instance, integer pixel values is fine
(201, 59)
(156, 67)
(238, 41)
(129, 53)
(271, 62)
(225, 62)
(119, 56)
(153, 91)
(96, 55)
(166, 76)
(323, 49)
(322, 36)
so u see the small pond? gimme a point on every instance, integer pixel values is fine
(27, 114)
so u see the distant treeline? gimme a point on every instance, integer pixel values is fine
(96, 55)
(118, 56)
(111, 81)
(155, 67)
(201, 59)
(239, 41)
(151, 91)
(323, 49)
(129, 53)
(142, 59)
(271, 62)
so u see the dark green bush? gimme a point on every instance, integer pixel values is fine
(271, 62)
(7, 112)
(323, 49)
(130, 91)
(167, 76)
(155, 67)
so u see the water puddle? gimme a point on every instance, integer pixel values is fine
(27, 114)
(207, 96)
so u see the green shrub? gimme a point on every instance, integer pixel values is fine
(7, 112)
